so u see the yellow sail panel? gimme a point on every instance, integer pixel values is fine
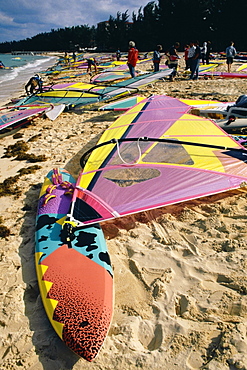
(81, 85)
(96, 160)
(240, 68)
(200, 130)
(98, 156)
(195, 102)
(66, 93)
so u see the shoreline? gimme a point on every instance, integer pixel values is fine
(179, 272)
(18, 83)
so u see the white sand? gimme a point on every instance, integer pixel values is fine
(179, 272)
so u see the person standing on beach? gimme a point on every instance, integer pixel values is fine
(186, 52)
(209, 49)
(204, 52)
(191, 54)
(66, 58)
(195, 61)
(118, 54)
(230, 54)
(132, 58)
(157, 58)
(173, 60)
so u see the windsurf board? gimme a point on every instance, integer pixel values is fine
(73, 269)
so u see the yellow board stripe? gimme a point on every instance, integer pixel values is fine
(45, 286)
(45, 185)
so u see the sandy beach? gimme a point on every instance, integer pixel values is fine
(179, 271)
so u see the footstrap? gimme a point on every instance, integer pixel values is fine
(56, 182)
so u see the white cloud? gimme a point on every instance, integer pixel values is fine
(33, 17)
(5, 19)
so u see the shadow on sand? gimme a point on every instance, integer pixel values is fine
(53, 353)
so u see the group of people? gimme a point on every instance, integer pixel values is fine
(193, 54)
(67, 58)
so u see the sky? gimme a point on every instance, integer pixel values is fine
(21, 19)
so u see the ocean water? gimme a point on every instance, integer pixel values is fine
(12, 81)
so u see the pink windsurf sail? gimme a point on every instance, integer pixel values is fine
(17, 115)
(153, 155)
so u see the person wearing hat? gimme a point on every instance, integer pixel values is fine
(132, 58)
(34, 83)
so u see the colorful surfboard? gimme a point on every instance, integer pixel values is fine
(74, 273)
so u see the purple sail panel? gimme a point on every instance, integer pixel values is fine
(169, 186)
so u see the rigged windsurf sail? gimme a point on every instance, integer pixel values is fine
(111, 76)
(14, 116)
(153, 155)
(68, 76)
(243, 67)
(205, 104)
(67, 97)
(205, 68)
(74, 94)
(127, 103)
(123, 104)
(223, 74)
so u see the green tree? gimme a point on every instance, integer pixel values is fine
(159, 22)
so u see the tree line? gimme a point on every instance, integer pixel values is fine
(159, 22)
